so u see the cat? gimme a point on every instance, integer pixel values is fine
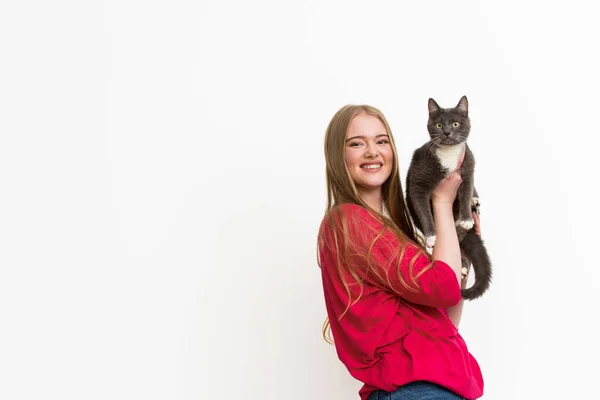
(449, 129)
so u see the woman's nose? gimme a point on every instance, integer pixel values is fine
(371, 151)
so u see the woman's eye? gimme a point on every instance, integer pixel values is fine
(455, 124)
(383, 141)
(438, 125)
(354, 144)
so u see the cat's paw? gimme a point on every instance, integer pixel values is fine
(430, 241)
(475, 204)
(464, 272)
(466, 223)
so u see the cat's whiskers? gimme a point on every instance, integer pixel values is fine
(434, 142)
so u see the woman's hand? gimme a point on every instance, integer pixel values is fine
(445, 192)
(477, 224)
(465, 270)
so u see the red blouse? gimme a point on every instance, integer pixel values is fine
(392, 337)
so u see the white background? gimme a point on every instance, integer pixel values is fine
(162, 181)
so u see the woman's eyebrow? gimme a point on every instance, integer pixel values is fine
(362, 137)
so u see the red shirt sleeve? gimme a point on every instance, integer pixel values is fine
(435, 287)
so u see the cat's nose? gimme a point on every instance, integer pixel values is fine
(447, 133)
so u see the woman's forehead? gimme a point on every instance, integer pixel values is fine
(365, 125)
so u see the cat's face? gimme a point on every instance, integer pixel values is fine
(449, 126)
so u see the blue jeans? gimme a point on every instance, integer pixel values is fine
(416, 391)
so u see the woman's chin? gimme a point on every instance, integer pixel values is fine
(371, 184)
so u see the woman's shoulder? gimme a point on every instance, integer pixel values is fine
(351, 210)
(351, 218)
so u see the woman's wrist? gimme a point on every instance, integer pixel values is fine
(442, 207)
(446, 246)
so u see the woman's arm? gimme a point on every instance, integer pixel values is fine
(389, 266)
(455, 312)
(447, 247)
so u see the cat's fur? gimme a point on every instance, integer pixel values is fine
(433, 162)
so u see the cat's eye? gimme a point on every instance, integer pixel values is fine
(438, 125)
(455, 124)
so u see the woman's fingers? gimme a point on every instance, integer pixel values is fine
(476, 224)
(447, 189)
(456, 177)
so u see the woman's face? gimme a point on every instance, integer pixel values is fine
(369, 156)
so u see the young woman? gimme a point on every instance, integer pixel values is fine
(393, 309)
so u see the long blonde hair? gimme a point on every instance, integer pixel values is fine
(341, 189)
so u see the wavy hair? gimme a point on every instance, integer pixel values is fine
(342, 190)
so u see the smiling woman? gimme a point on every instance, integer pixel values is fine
(392, 308)
(369, 156)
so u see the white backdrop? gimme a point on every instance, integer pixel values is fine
(162, 181)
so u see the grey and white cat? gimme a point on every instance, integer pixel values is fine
(449, 129)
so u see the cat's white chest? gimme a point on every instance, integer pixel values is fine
(449, 155)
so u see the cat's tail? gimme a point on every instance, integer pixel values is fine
(474, 249)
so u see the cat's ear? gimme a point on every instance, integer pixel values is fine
(433, 106)
(463, 106)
